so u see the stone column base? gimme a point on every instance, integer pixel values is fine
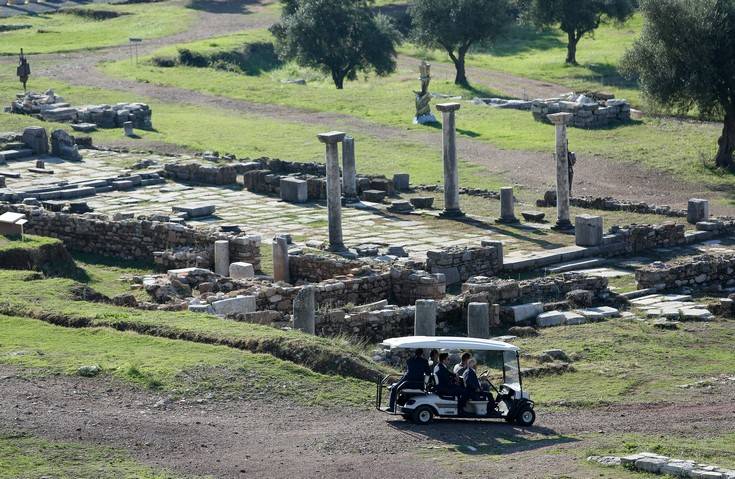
(451, 214)
(565, 225)
(508, 221)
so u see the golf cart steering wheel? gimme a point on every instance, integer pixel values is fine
(484, 376)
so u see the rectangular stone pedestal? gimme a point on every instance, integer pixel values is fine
(293, 190)
(588, 230)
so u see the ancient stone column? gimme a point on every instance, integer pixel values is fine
(280, 259)
(349, 170)
(334, 190)
(507, 206)
(478, 320)
(304, 311)
(222, 257)
(451, 168)
(697, 210)
(562, 170)
(425, 318)
(495, 315)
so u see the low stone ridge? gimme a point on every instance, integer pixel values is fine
(664, 465)
(708, 271)
(461, 263)
(612, 204)
(550, 288)
(50, 107)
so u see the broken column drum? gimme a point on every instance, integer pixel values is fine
(425, 318)
(280, 259)
(334, 188)
(222, 257)
(507, 206)
(349, 170)
(478, 320)
(304, 306)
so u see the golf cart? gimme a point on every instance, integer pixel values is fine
(506, 401)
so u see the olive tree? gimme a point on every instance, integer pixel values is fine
(337, 37)
(456, 25)
(578, 18)
(685, 60)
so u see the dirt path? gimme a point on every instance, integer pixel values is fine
(278, 439)
(533, 170)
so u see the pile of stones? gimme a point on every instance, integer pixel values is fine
(50, 107)
(708, 271)
(587, 112)
(461, 263)
(657, 464)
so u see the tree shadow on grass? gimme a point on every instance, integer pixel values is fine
(521, 39)
(608, 75)
(224, 6)
(518, 231)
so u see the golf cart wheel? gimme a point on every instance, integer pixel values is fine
(422, 415)
(526, 417)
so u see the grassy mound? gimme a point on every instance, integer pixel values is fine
(248, 59)
(51, 300)
(93, 13)
(35, 253)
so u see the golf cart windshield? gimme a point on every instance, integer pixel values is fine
(511, 370)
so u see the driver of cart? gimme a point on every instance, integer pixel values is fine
(461, 367)
(416, 370)
(445, 380)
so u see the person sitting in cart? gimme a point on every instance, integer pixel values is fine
(446, 385)
(460, 368)
(472, 385)
(416, 370)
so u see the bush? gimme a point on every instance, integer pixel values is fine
(192, 59)
(164, 62)
(93, 14)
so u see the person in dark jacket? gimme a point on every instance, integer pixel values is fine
(445, 381)
(416, 370)
(471, 384)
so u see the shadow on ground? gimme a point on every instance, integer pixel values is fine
(225, 6)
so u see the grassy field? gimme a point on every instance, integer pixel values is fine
(26, 456)
(63, 32)
(666, 144)
(539, 54)
(28, 242)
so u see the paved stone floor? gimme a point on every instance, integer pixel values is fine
(367, 223)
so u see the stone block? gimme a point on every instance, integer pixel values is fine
(571, 318)
(195, 211)
(84, 127)
(239, 304)
(525, 312)
(550, 318)
(697, 210)
(422, 202)
(36, 139)
(374, 196)
(293, 190)
(588, 230)
(123, 185)
(533, 216)
(400, 206)
(241, 270)
(650, 464)
(401, 181)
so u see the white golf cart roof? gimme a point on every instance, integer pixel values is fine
(447, 342)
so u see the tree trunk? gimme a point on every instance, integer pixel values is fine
(461, 77)
(572, 40)
(339, 78)
(727, 140)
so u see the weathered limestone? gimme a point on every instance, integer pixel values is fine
(128, 129)
(588, 230)
(478, 320)
(293, 190)
(241, 270)
(304, 306)
(2, 181)
(280, 259)
(697, 210)
(494, 315)
(402, 181)
(562, 170)
(36, 139)
(64, 146)
(525, 312)
(507, 214)
(334, 194)
(192, 211)
(451, 167)
(222, 257)
(425, 318)
(237, 305)
(349, 170)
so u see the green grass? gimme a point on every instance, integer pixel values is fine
(669, 145)
(176, 367)
(26, 456)
(629, 361)
(61, 32)
(28, 242)
(25, 294)
(539, 54)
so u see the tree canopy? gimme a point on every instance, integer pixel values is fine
(456, 25)
(578, 18)
(685, 59)
(338, 37)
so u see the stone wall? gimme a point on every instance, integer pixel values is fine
(408, 285)
(698, 272)
(460, 263)
(613, 204)
(585, 115)
(316, 268)
(638, 238)
(548, 289)
(131, 238)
